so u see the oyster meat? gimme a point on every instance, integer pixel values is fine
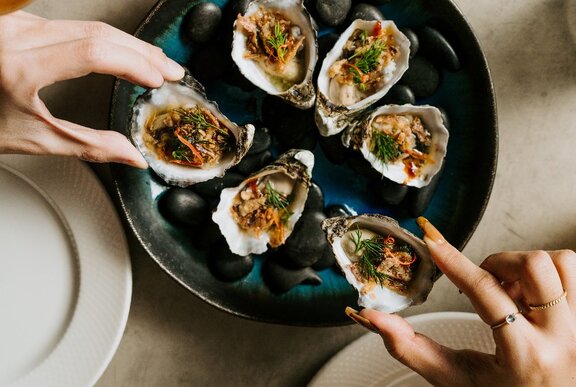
(405, 143)
(275, 47)
(264, 208)
(365, 62)
(389, 267)
(184, 137)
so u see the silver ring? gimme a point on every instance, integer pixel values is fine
(507, 320)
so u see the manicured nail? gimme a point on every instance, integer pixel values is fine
(430, 231)
(175, 70)
(353, 314)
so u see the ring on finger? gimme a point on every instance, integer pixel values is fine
(549, 304)
(509, 319)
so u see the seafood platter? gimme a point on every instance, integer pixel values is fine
(287, 167)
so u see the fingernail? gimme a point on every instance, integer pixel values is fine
(176, 71)
(430, 231)
(353, 314)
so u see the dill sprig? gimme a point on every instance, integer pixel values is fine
(276, 199)
(278, 41)
(371, 250)
(369, 59)
(197, 118)
(384, 147)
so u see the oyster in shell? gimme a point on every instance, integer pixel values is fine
(264, 208)
(389, 267)
(365, 62)
(274, 46)
(184, 137)
(405, 143)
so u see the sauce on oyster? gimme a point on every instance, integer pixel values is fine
(380, 260)
(400, 137)
(188, 135)
(263, 205)
(366, 63)
(276, 44)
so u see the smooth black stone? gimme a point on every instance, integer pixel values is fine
(253, 163)
(325, 44)
(327, 260)
(333, 148)
(307, 141)
(390, 192)
(304, 247)
(445, 117)
(207, 235)
(315, 200)
(227, 266)
(262, 141)
(281, 279)
(184, 206)
(287, 123)
(336, 210)
(202, 21)
(379, 2)
(234, 77)
(418, 199)
(398, 95)
(422, 77)
(333, 12)
(210, 63)
(365, 12)
(438, 49)
(212, 188)
(363, 167)
(414, 41)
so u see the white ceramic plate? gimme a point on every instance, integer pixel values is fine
(365, 361)
(65, 274)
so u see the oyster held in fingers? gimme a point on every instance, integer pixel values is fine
(390, 267)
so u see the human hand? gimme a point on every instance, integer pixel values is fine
(537, 349)
(36, 52)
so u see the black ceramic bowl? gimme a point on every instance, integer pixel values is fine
(466, 95)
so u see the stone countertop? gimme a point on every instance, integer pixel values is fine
(173, 338)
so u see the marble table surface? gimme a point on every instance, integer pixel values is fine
(174, 339)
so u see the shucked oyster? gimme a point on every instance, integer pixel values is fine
(366, 61)
(405, 143)
(389, 267)
(184, 137)
(274, 46)
(264, 208)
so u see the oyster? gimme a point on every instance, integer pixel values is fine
(366, 61)
(264, 208)
(275, 47)
(390, 267)
(184, 137)
(405, 143)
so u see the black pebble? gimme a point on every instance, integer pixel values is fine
(390, 192)
(253, 163)
(208, 235)
(184, 206)
(262, 141)
(337, 210)
(333, 12)
(333, 149)
(234, 77)
(315, 200)
(414, 41)
(363, 167)
(210, 63)
(304, 247)
(379, 2)
(327, 260)
(228, 266)
(418, 199)
(202, 21)
(212, 188)
(287, 123)
(398, 95)
(307, 141)
(365, 12)
(422, 77)
(281, 279)
(438, 49)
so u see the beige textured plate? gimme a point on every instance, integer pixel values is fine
(365, 362)
(65, 277)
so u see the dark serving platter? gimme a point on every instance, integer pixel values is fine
(465, 95)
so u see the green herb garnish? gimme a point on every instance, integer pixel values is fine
(384, 147)
(369, 59)
(197, 118)
(275, 199)
(278, 41)
(371, 250)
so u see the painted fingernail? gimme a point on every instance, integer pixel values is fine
(353, 314)
(176, 71)
(430, 231)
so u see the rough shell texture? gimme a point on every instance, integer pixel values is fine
(171, 95)
(332, 118)
(301, 95)
(358, 136)
(379, 297)
(296, 165)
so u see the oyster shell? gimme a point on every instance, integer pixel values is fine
(159, 130)
(264, 208)
(258, 49)
(405, 143)
(406, 268)
(365, 62)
